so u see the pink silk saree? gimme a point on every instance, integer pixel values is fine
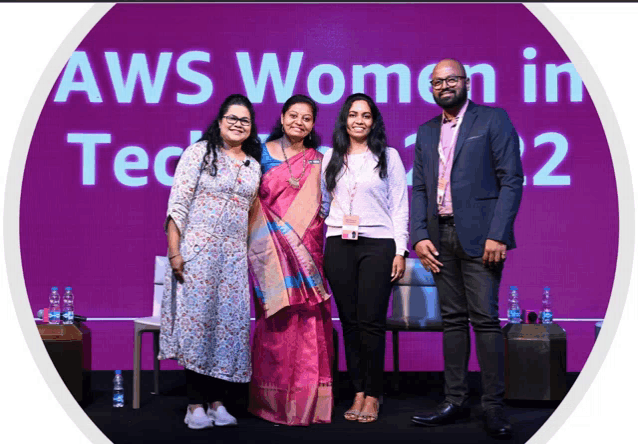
(292, 350)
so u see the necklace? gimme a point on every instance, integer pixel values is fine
(293, 181)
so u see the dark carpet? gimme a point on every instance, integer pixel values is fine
(160, 418)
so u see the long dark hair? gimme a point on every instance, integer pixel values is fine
(377, 141)
(312, 140)
(213, 138)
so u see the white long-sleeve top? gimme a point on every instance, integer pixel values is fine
(381, 204)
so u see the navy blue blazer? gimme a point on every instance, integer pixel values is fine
(486, 180)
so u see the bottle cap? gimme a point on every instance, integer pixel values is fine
(513, 287)
(68, 288)
(54, 288)
(546, 289)
(118, 372)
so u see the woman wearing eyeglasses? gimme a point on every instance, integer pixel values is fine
(292, 343)
(365, 195)
(205, 321)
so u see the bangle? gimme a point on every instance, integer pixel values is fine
(175, 255)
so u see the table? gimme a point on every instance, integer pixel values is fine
(69, 347)
(535, 362)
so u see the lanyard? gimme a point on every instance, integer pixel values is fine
(442, 182)
(455, 133)
(352, 191)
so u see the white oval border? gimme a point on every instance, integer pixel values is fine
(11, 233)
(603, 108)
(626, 222)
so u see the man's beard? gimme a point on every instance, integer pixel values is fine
(453, 101)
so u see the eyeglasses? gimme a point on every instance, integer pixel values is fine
(232, 119)
(450, 80)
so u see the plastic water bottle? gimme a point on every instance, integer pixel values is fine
(513, 308)
(67, 306)
(118, 389)
(546, 313)
(54, 306)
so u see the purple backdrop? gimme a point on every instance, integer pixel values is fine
(97, 177)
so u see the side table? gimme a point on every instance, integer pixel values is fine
(535, 362)
(69, 347)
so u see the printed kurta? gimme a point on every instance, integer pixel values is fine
(205, 322)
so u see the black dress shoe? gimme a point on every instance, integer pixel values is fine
(496, 424)
(445, 413)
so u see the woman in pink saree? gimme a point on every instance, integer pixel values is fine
(292, 350)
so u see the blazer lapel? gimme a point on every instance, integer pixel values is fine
(466, 126)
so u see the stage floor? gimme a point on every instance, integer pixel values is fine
(161, 417)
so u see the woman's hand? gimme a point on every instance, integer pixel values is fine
(176, 260)
(398, 268)
(177, 264)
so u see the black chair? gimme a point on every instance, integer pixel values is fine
(415, 307)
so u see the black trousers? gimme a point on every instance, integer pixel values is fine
(202, 389)
(469, 290)
(358, 272)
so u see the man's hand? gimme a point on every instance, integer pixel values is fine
(494, 253)
(426, 252)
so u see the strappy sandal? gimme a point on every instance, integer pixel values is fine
(353, 414)
(366, 417)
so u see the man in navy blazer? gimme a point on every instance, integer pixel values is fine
(467, 188)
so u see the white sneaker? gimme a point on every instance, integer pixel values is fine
(197, 419)
(221, 417)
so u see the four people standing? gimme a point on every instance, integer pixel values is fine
(467, 188)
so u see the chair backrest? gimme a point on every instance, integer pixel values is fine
(415, 300)
(415, 274)
(161, 263)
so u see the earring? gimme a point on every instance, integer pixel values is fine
(310, 137)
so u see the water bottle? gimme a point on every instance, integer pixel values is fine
(546, 313)
(118, 389)
(513, 308)
(67, 306)
(54, 306)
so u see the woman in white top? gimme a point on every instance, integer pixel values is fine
(365, 199)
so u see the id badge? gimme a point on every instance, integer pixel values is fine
(440, 190)
(350, 228)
